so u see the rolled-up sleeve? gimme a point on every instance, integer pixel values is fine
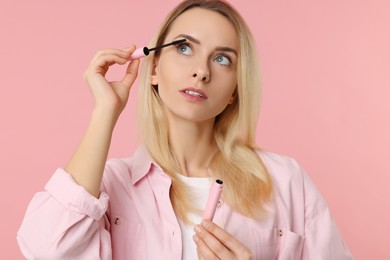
(65, 222)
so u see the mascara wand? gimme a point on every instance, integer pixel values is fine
(142, 52)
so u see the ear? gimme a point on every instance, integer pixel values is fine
(233, 97)
(154, 76)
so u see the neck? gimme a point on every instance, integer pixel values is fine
(193, 145)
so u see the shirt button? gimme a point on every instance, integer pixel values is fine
(280, 232)
(219, 204)
(117, 221)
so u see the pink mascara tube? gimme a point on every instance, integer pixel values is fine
(142, 52)
(212, 202)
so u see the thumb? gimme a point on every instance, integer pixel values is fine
(131, 73)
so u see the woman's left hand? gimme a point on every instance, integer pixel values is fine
(213, 242)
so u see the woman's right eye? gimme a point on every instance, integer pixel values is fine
(184, 49)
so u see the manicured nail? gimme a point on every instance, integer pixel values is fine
(197, 228)
(206, 223)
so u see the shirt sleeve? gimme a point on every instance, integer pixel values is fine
(65, 222)
(322, 237)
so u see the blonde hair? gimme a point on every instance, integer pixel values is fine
(248, 186)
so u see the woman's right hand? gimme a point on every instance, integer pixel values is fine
(111, 96)
(87, 163)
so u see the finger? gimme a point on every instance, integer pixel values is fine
(225, 238)
(108, 60)
(131, 73)
(131, 48)
(215, 246)
(129, 51)
(202, 249)
(123, 53)
(101, 66)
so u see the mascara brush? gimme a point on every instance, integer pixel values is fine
(142, 52)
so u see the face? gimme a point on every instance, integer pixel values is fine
(197, 79)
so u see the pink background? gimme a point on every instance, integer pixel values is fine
(325, 69)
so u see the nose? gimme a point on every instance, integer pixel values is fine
(202, 73)
(202, 76)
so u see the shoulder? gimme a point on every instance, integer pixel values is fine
(117, 174)
(292, 185)
(283, 169)
(118, 168)
(286, 172)
(127, 171)
(277, 160)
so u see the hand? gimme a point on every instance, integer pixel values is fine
(213, 242)
(111, 96)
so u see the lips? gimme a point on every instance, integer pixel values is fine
(193, 92)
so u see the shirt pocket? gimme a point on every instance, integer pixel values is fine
(276, 243)
(128, 239)
(290, 245)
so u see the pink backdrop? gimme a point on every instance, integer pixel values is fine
(325, 67)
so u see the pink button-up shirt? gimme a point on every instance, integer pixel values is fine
(133, 218)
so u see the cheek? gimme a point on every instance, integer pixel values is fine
(223, 97)
(167, 83)
(227, 83)
(168, 72)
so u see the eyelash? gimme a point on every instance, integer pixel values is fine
(181, 45)
(226, 56)
(216, 56)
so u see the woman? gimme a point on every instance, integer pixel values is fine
(197, 115)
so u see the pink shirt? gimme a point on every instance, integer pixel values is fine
(133, 217)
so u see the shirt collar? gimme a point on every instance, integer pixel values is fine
(141, 163)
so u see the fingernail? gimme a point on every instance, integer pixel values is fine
(196, 238)
(205, 223)
(197, 229)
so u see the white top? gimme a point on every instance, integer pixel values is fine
(200, 188)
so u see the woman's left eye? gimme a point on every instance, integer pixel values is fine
(184, 49)
(223, 60)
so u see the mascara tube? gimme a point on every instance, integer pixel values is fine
(212, 202)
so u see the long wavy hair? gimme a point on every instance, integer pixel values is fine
(247, 183)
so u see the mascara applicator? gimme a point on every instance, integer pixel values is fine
(142, 52)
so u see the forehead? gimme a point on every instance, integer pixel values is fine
(207, 26)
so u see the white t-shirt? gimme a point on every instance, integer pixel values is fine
(200, 187)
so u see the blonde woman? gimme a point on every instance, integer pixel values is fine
(197, 115)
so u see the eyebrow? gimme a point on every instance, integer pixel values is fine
(194, 40)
